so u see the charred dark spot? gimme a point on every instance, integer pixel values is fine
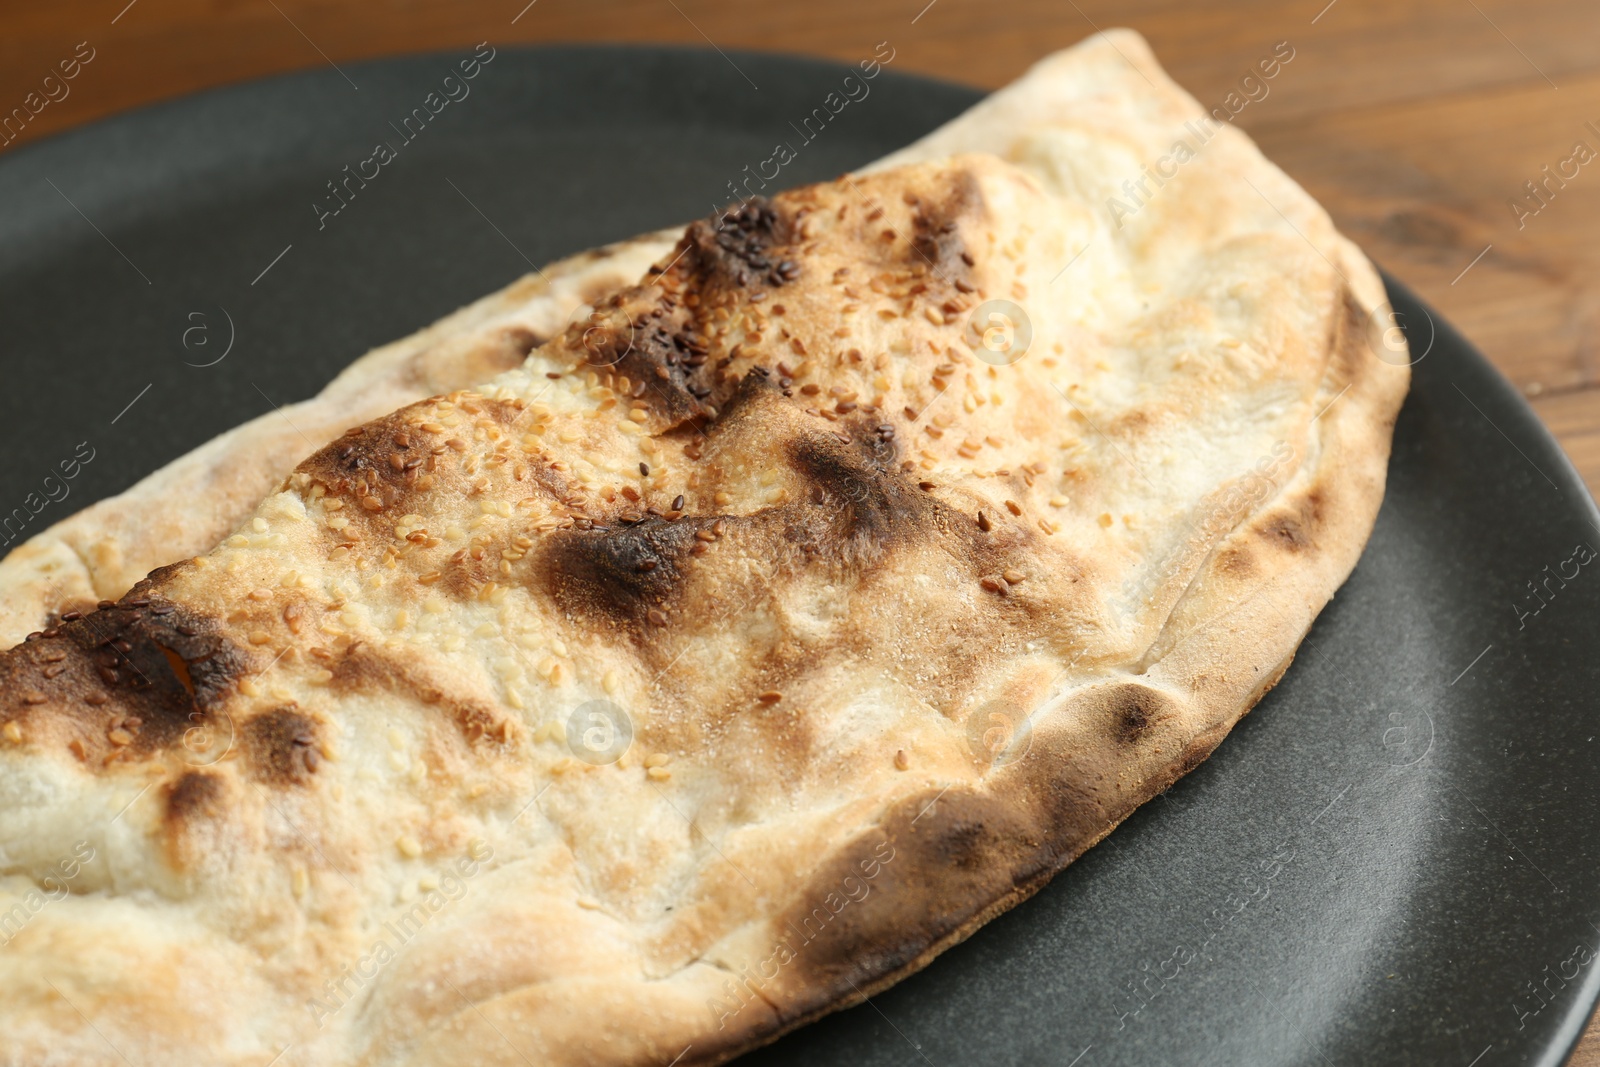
(754, 389)
(940, 862)
(379, 465)
(1314, 505)
(1133, 719)
(920, 876)
(657, 336)
(195, 795)
(619, 573)
(936, 242)
(936, 239)
(660, 348)
(667, 357)
(282, 746)
(961, 843)
(1285, 532)
(143, 664)
(522, 340)
(867, 503)
(740, 250)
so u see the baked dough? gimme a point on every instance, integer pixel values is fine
(748, 646)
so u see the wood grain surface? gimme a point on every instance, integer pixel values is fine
(1418, 125)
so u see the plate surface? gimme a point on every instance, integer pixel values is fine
(1392, 860)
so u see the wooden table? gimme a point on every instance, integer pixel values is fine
(1416, 124)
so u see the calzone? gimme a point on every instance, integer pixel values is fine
(817, 598)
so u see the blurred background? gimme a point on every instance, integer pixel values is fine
(1458, 141)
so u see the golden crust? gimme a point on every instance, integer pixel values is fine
(896, 632)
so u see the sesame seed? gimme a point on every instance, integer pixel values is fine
(120, 736)
(678, 502)
(991, 585)
(409, 847)
(901, 760)
(656, 617)
(983, 522)
(1013, 507)
(13, 733)
(1014, 577)
(660, 774)
(644, 470)
(771, 696)
(657, 759)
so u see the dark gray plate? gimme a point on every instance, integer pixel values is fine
(1393, 860)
